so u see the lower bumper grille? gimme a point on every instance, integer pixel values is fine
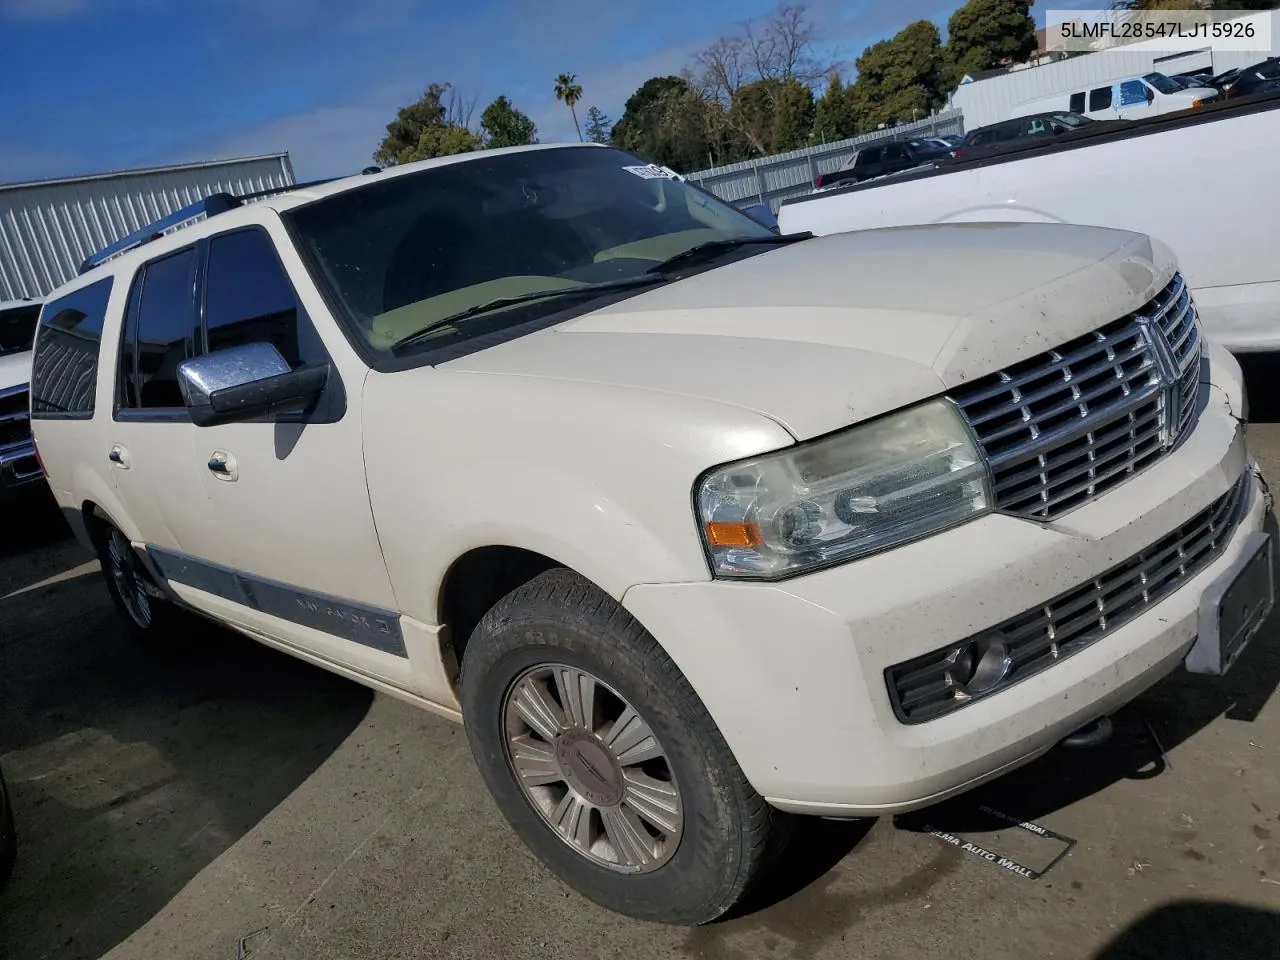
(946, 680)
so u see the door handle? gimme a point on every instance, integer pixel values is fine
(223, 466)
(119, 456)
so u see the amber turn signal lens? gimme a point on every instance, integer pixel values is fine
(733, 534)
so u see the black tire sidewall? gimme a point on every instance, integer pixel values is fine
(156, 637)
(691, 885)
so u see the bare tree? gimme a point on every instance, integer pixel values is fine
(723, 68)
(781, 47)
(459, 108)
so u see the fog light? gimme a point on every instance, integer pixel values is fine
(981, 665)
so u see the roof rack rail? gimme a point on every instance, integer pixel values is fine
(210, 206)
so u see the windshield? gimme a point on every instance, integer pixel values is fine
(18, 328)
(408, 251)
(1162, 83)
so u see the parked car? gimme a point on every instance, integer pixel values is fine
(19, 468)
(693, 524)
(8, 835)
(1262, 77)
(1224, 81)
(1132, 98)
(1116, 175)
(882, 158)
(983, 141)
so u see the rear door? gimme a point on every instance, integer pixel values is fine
(149, 448)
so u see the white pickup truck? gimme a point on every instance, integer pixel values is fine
(1202, 182)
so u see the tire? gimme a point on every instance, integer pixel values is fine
(151, 619)
(8, 836)
(711, 835)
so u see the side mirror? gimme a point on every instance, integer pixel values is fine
(1150, 95)
(761, 213)
(241, 383)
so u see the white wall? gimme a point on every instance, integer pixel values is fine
(994, 99)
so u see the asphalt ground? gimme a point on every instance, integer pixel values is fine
(233, 798)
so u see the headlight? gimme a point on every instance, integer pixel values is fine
(897, 478)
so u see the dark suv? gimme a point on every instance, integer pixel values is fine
(982, 141)
(882, 158)
(1262, 77)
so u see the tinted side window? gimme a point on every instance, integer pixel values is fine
(249, 299)
(163, 326)
(1076, 104)
(869, 156)
(1132, 92)
(895, 152)
(64, 369)
(1100, 98)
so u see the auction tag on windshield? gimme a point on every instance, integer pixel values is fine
(651, 171)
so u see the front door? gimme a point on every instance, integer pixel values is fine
(289, 492)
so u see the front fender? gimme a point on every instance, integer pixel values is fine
(597, 478)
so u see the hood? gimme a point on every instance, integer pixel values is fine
(823, 333)
(15, 370)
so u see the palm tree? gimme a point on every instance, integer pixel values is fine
(570, 91)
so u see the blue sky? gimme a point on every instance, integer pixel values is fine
(96, 85)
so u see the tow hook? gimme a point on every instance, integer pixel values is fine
(1089, 736)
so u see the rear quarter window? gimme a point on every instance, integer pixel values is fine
(1076, 103)
(64, 369)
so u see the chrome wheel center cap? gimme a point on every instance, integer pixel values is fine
(589, 768)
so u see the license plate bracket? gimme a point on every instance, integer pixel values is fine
(1234, 607)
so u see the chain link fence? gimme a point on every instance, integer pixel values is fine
(774, 179)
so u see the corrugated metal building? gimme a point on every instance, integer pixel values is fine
(993, 99)
(48, 227)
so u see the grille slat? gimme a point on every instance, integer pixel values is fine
(1073, 620)
(1063, 428)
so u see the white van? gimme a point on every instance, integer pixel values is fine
(1129, 99)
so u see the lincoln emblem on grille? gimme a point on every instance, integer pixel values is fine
(1167, 373)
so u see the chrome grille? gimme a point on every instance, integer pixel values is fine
(15, 423)
(933, 685)
(1063, 427)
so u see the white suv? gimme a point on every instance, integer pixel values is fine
(694, 525)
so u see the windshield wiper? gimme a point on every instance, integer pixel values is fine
(499, 302)
(716, 246)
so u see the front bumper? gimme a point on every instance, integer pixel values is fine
(794, 673)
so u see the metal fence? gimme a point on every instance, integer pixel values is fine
(774, 179)
(48, 227)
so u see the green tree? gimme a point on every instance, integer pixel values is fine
(899, 79)
(444, 141)
(505, 126)
(405, 131)
(833, 117)
(986, 33)
(793, 112)
(597, 126)
(667, 121)
(751, 114)
(570, 91)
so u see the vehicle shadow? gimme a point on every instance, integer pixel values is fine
(1262, 383)
(1198, 930)
(129, 774)
(31, 520)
